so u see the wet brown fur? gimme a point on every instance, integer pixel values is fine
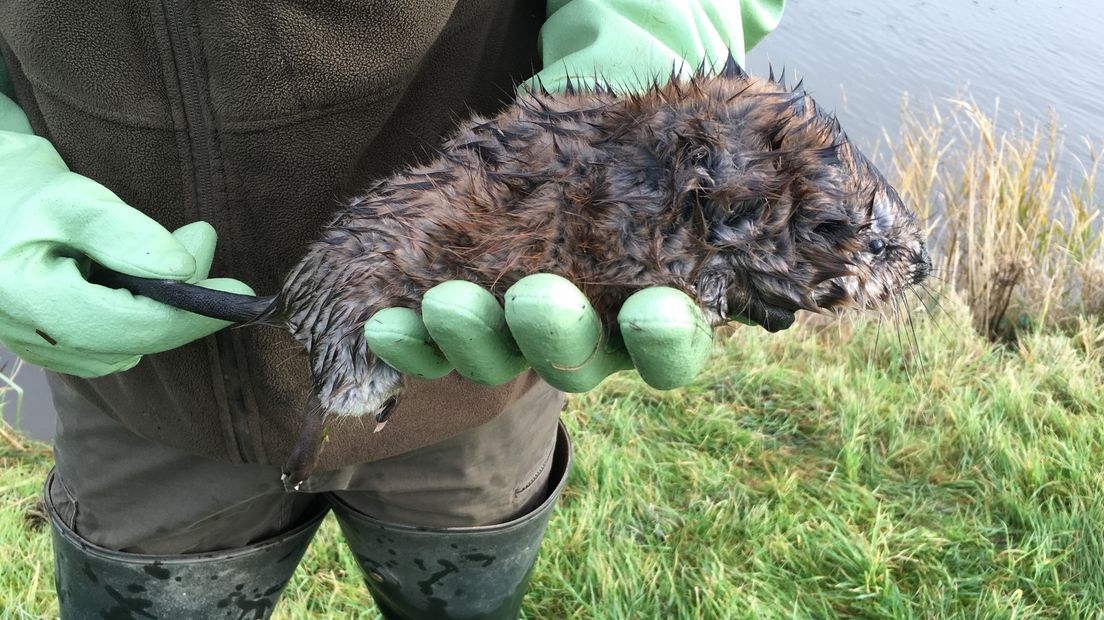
(734, 189)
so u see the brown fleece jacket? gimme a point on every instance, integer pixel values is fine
(259, 116)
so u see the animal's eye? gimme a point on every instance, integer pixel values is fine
(877, 246)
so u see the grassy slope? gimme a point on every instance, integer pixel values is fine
(813, 473)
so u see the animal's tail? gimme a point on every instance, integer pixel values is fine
(208, 302)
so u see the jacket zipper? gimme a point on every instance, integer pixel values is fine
(200, 131)
(195, 113)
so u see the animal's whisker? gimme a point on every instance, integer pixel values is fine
(932, 316)
(934, 298)
(878, 334)
(912, 330)
(897, 321)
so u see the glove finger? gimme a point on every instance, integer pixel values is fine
(181, 327)
(13, 119)
(86, 365)
(87, 317)
(469, 328)
(667, 336)
(30, 152)
(199, 239)
(560, 334)
(95, 222)
(400, 338)
(226, 285)
(36, 349)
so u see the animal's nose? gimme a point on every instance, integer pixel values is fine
(923, 267)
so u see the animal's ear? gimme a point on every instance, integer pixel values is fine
(696, 141)
(691, 154)
(692, 139)
(694, 153)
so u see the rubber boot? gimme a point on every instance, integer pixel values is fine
(417, 573)
(95, 582)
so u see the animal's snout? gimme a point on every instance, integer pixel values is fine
(923, 266)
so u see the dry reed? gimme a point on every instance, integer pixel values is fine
(1017, 237)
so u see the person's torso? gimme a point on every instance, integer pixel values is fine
(259, 117)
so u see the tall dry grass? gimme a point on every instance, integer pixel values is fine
(11, 397)
(1019, 238)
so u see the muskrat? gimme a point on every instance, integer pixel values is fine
(734, 189)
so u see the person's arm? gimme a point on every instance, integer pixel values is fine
(55, 224)
(547, 322)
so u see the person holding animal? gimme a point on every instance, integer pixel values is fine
(243, 121)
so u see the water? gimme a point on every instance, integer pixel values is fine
(36, 416)
(859, 57)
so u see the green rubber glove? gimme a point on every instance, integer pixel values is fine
(55, 224)
(547, 323)
(630, 43)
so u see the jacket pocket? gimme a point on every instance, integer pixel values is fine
(537, 473)
(62, 500)
(99, 57)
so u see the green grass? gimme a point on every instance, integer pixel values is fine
(827, 471)
(821, 472)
